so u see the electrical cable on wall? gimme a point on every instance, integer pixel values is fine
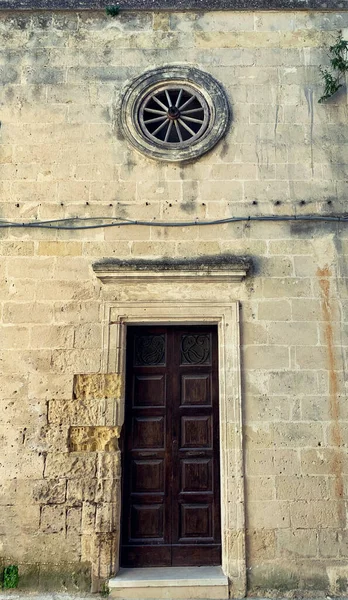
(77, 223)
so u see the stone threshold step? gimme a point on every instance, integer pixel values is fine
(169, 576)
(158, 583)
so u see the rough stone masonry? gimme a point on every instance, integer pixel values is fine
(62, 155)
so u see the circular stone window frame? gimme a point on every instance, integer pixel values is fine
(174, 76)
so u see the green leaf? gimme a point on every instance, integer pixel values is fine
(10, 577)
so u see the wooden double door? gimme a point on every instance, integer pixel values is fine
(171, 481)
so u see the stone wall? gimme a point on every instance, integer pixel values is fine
(62, 155)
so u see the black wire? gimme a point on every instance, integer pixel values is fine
(72, 223)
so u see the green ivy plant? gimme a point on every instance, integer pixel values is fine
(112, 10)
(10, 580)
(332, 77)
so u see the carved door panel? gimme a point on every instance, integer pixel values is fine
(171, 495)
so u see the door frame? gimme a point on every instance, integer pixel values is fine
(117, 316)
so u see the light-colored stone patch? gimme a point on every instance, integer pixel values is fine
(94, 439)
(97, 386)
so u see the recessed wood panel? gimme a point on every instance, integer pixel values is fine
(196, 432)
(148, 432)
(195, 521)
(197, 475)
(147, 521)
(149, 390)
(195, 390)
(147, 476)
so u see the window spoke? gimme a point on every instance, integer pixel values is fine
(168, 98)
(191, 110)
(170, 126)
(160, 127)
(160, 103)
(184, 118)
(187, 102)
(179, 98)
(156, 112)
(156, 120)
(186, 127)
(178, 131)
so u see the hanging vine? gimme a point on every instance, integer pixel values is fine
(333, 76)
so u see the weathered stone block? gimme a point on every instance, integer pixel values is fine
(301, 542)
(70, 577)
(97, 385)
(72, 465)
(260, 545)
(94, 439)
(53, 519)
(52, 491)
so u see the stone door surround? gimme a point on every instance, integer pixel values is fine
(182, 293)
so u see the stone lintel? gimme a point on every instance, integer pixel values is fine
(177, 5)
(210, 268)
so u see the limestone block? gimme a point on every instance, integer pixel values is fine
(73, 520)
(300, 542)
(321, 461)
(328, 543)
(48, 385)
(274, 310)
(97, 385)
(26, 465)
(66, 290)
(294, 382)
(295, 488)
(260, 545)
(51, 336)
(322, 513)
(66, 360)
(93, 439)
(38, 312)
(46, 547)
(8, 489)
(20, 248)
(53, 519)
(297, 434)
(109, 465)
(46, 439)
(254, 333)
(98, 249)
(88, 517)
(151, 249)
(77, 412)
(268, 408)
(71, 268)
(93, 490)
(19, 518)
(73, 577)
(51, 491)
(75, 311)
(14, 386)
(15, 337)
(266, 357)
(88, 336)
(261, 488)
(107, 517)
(72, 465)
(259, 435)
(268, 515)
